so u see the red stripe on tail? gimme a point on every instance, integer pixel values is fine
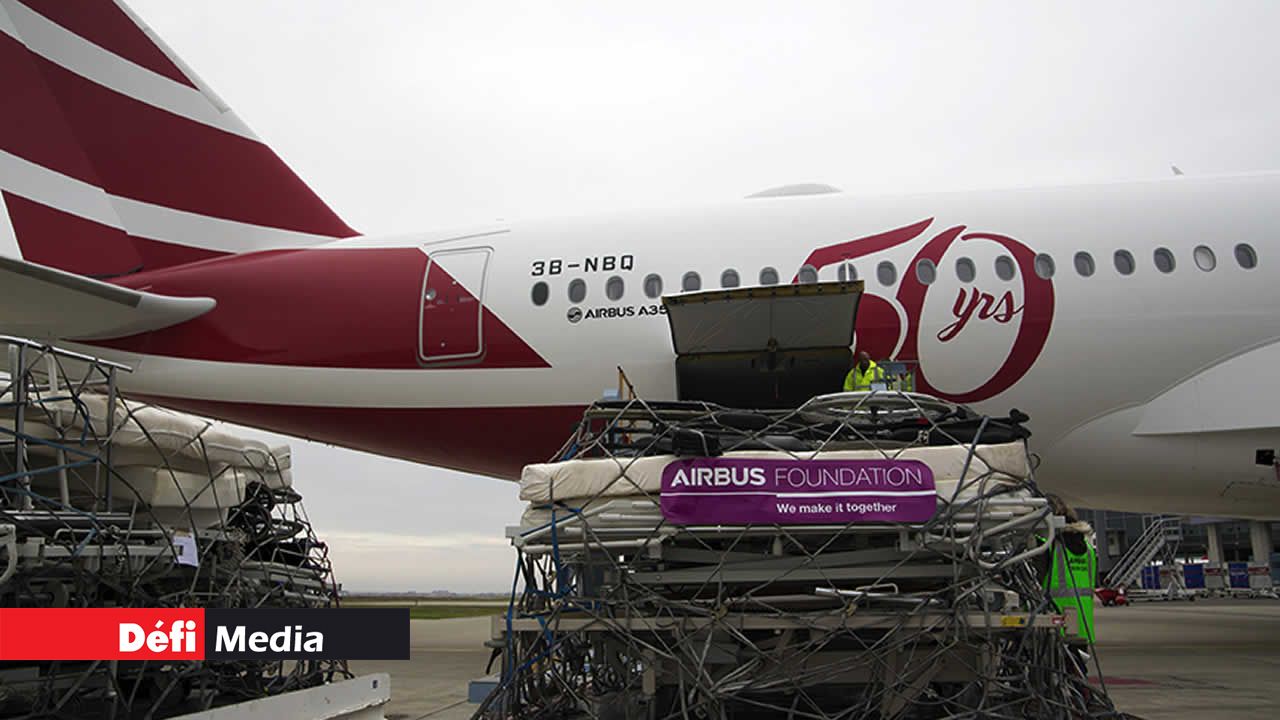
(32, 125)
(104, 24)
(48, 236)
(148, 154)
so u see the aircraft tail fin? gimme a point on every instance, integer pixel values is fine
(116, 158)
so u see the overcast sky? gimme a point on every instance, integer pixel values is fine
(412, 115)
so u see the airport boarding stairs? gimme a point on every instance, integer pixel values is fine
(1159, 542)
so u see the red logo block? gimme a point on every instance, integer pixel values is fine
(101, 634)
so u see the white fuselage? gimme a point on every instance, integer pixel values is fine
(1147, 391)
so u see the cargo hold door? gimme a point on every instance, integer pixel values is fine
(763, 347)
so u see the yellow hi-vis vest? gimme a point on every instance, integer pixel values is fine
(1070, 583)
(907, 382)
(858, 380)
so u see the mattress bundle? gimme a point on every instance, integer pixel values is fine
(959, 471)
(188, 470)
(620, 476)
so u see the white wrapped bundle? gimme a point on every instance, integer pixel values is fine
(163, 438)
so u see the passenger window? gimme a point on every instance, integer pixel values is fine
(768, 276)
(577, 290)
(1164, 260)
(1124, 262)
(540, 293)
(926, 271)
(652, 286)
(1084, 264)
(1044, 266)
(614, 287)
(1205, 259)
(965, 270)
(1004, 268)
(1245, 255)
(808, 274)
(886, 273)
(691, 282)
(729, 279)
(848, 273)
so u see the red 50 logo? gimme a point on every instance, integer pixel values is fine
(893, 326)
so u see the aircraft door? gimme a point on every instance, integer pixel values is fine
(451, 318)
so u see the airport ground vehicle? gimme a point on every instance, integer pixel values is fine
(1112, 596)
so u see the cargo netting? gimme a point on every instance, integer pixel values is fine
(618, 612)
(106, 502)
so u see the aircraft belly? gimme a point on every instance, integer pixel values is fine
(1240, 393)
(1105, 464)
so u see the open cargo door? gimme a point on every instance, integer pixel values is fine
(763, 347)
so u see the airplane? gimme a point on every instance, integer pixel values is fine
(1136, 322)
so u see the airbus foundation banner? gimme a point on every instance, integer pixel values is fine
(758, 491)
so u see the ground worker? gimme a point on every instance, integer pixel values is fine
(905, 379)
(864, 372)
(1072, 571)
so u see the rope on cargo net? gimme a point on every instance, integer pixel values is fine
(618, 615)
(101, 544)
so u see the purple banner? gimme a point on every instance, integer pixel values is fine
(742, 491)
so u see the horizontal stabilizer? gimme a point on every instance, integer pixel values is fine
(47, 304)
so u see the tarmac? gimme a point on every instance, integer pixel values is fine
(1206, 659)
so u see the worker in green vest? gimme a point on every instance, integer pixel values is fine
(906, 380)
(864, 372)
(1073, 568)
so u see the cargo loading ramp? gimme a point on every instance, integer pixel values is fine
(763, 347)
